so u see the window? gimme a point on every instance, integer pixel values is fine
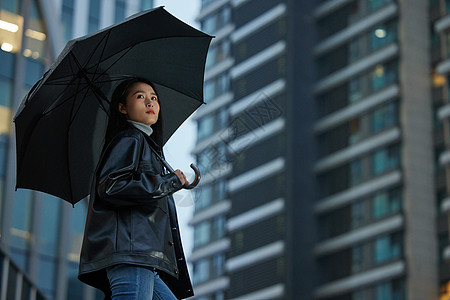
(220, 190)
(67, 18)
(49, 225)
(146, 4)
(222, 118)
(376, 4)
(201, 271)
(5, 92)
(218, 53)
(77, 221)
(203, 197)
(206, 2)
(213, 158)
(209, 90)
(355, 89)
(211, 57)
(222, 84)
(94, 16)
(202, 234)
(382, 35)
(74, 286)
(387, 248)
(379, 77)
(384, 117)
(219, 227)
(354, 128)
(219, 296)
(383, 291)
(218, 264)
(10, 5)
(3, 151)
(355, 172)
(34, 71)
(386, 203)
(205, 127)
(383, 75)
(21, 219)
(7, 63)
(224, 16)
(204, 160)
(209, 24)
(46, 275)
(360, 213)
(34, 43)
(390, 290)
(354, 49)
(214, 22)
(119, 13)
(385, 159)
(380, 205)
(357, 258)
(357, 214)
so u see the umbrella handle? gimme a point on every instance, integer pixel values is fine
(196, 179)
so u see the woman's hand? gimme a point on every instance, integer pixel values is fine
(182, 177)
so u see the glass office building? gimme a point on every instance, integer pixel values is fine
(40, 235)
(324, 146)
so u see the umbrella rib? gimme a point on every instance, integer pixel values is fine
(94, 50)
(82, 73)
(74, 103)
(115, 61)
(101, 55)
(67, 139)
(53, 107)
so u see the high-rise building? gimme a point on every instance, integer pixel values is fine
(324, 151)
(41, 235)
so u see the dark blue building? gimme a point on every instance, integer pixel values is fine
(324, 147)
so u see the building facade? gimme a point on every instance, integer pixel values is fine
(40, 235)
(324, 147)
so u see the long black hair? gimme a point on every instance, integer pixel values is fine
(118, 121)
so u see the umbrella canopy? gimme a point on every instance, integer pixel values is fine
(60, 124)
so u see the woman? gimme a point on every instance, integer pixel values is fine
(132, 247)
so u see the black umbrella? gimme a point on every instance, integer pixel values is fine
(61, 123)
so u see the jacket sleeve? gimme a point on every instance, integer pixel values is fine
(122, 180)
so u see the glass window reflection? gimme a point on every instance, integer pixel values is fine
(146, 4)
(35, 36)
(10, 5)
(21, 219)
(49, 225)
(119, 13)
(5, 91)
(34, 71)
(7, 63)
(67, 13)
(46, 275)
(77, 221)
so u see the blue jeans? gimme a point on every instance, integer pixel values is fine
(130, 282)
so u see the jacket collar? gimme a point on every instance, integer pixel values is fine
(142, 127)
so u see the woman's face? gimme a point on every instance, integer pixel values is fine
(141, 104)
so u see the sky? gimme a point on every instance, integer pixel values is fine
(178, 149)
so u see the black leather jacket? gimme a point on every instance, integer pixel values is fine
(132, 218)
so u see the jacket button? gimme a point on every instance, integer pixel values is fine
(170, 243)
(176, 271)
